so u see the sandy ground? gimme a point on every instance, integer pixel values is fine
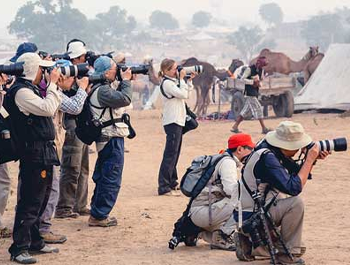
(146, 220)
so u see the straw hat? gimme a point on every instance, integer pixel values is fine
(288, 135)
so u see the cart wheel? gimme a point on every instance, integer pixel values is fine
(288, 104)
(266, 111)
(237, 103)
(278, 105)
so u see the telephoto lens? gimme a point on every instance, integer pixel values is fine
(337, 145)
(12, 69)
(75, 70)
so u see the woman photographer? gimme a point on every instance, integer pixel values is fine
(174, 90)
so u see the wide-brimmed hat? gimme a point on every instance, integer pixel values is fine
(76, 49)
(32, 61)
(288, 135)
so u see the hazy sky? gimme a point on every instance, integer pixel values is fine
(246, 10)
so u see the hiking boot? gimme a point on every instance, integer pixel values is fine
(51, 238)
(84, 212)
(107, 222)
(243, 247)
(45, 250)
(23, 258)
(222, 241)
(69, 214)
(283, 259)
(5, 232)
(235, 130)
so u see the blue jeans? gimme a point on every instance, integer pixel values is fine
(107, 177)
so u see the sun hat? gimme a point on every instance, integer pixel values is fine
(32, 61)
(288, 135)
(240, 139)
(24, 48)
(76, 49)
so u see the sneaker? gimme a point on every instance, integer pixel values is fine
(173, 193)
(84, 212)
(283, 259)
(235, 130)
(51, 238)
(222, 241)
(70, 214)
(243, 247)
(23, 258)
(5, 232)
(45, 250)
(107, 222)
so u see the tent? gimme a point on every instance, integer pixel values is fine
(329, 86)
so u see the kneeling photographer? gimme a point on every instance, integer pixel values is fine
(106, 104)
(270, 185)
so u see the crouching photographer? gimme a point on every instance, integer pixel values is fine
(106, 104)
(269, 189)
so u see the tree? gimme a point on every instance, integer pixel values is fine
(322, 30)
(163, 20)
(271, 13)
(201, 19)
(250, 41)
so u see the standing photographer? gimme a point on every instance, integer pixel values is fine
(271, 163)
(35, 131)
(174, 117)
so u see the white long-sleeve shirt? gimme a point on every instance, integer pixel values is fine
(30, 103)
(174, 110)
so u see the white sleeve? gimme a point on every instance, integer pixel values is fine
(171, 89)
(245, 75)
(30, 103)
(228, 176)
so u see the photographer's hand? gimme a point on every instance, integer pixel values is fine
(83, 83)
(182, 74)
(193, 75)
(311, 157)
(54, 76)
(126, 75)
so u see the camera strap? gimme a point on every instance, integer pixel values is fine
(162, 89)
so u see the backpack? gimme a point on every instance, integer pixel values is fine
(198, 174)
(88, 128)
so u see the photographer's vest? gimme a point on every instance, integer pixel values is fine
(118, 129)
(35, 134)
(248, 184)
(249, 89)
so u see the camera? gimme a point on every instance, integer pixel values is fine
(90, 56)
(78, 70)
(189, 69)
(12, 69)
(253, 227)
(337, 145)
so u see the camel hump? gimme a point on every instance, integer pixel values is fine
(265, 51)
(191, 60)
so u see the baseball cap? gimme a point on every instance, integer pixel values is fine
(32, 61)
(240, 139)
(24, 48)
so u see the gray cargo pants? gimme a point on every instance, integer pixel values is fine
(5, 187)
(74, 172)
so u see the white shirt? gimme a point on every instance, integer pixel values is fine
(174, 110)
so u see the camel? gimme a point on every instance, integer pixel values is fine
(311, 66)
(204, 81)
(281, 63)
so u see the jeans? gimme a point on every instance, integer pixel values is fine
(167, 178)
(35, 188)
(107, 177)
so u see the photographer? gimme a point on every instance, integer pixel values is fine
(107, 104)
(72, 200)
(174, 117)
(35, 131)
(280, 180)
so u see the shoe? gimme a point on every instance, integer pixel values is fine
(107, 222)
(302, 252)
(173, 193)
(222, 241)
(243, 247)
(5, 232)
(69, 214)
(265, 130)
(84, 212)
(283, 259)
(23, 258)
(45, 250)
(235, 130)
(51, 238)
(177, 187)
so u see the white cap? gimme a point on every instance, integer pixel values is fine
(32, 61)
(76, 49)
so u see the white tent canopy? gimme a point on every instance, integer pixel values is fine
(329, 86)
